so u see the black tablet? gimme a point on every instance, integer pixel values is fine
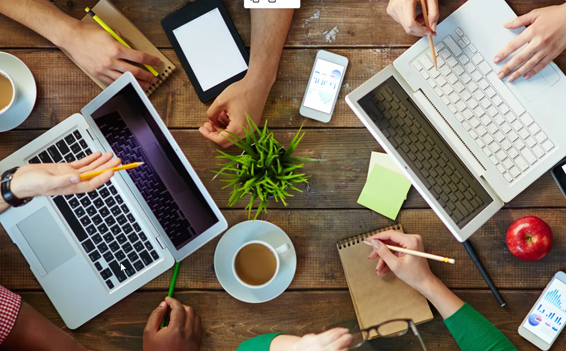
(559, 174)
(208, 46)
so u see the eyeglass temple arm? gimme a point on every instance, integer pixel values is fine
(414, 328)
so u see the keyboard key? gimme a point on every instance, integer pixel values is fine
(483, 84)
(104, 211)
(70, 158)
(154, 255)
(506, 94)
(115, 267)
(129, 269)
(70, 139)
(128, 229)
(508, 163)
(526, 119)
(512, 152)
(523, 165)
(110, 202)
(417, 66)
(62, 146)
(108, 257)
(534, 128)
(120, 255)
(449, 41)
(508, 177)
(113, 190)
(133, 256)
(97, 220)
(122, 219)
(547, 145)
(464, 59)
(104, 193)
(477, 58)
(540, 137)
(85, 221)
(88, 152)
(83, 144)
(425, 61)
(94, 256)
(35, 160)
(115, 210)
(148, 246)
(484, 67)
(539, 152)
(451, 61)
(461, 43)
(76, 148)
(138, 265)
(88, 246)
(97, 239)
(110, 221)
(91, 230)
(98, 266)
(146, 258)
(138, 246)
(121, 238)
(528, 156)
(103, 228)
(114, 246)
(459, 31)
(55, 154)
(465, 78)
(44, 157)
(104, 274)
(79, 211)
(127, 247)
(85, 201)
(133, 237)
(530, 142)
(110, 284)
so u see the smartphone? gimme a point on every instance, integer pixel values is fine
(324, 86)
(547, 317)
(559, 174)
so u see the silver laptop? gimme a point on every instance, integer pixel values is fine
(89, 251)
(468, 141)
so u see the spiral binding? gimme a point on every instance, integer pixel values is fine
(356, 239)
(162, 78)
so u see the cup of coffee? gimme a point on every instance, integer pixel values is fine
(256, 263)
(8, 92)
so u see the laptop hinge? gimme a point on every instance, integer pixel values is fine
(449, 134)
(89, 134)
(159, 242)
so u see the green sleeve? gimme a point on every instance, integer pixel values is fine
(259, 343)
(475, 333)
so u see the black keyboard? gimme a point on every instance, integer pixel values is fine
(108, 232)
(426, 152)
(155, 193)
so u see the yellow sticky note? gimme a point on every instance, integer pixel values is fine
(384, 192)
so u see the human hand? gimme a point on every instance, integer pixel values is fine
(62, 178)
(105, 58)
(182, 334)
(336, 339)
(404, 12)
(411, 269)
(545, 38)
(228, 112)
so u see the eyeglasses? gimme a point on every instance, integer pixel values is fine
(389, 329)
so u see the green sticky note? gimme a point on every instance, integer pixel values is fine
(384, 192)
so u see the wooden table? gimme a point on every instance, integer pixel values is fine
(315, 220)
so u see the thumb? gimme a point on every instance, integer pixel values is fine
(156, 317)
(214, 110)
(385, 254)
(520, 21)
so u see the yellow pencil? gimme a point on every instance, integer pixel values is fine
(91, 175)
(430, 42)
(117, 37)
(418, 253)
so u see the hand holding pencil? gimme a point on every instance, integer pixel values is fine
(412, 269)
(405, 13)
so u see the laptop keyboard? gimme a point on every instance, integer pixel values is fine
(104, 225)
(430, 158)
(152, 188)
(485, 107)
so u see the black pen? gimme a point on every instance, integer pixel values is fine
(474, 256)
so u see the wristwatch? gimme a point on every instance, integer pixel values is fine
(5, 189)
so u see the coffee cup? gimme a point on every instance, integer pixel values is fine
(8, 92)
(256, 263)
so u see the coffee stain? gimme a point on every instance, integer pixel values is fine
(330, 35)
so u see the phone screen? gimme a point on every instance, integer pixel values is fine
(324, 86)
(547, 317)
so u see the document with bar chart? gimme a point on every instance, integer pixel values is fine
(548, 315)
(324, 86)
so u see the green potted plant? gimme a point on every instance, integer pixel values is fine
(265, 169)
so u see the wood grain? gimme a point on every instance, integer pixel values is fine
(227, 322)
(335, 182)
(315, 232)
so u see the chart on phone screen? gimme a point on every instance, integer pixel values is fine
(324, 86)
(548, 316)
(272, 4)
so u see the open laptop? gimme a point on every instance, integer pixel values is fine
(89, 251)
(468, 141)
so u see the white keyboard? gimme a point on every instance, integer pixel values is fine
(487, 109)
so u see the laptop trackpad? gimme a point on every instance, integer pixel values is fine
(537, 85)
(46, 239)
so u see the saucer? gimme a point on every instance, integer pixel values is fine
(26, 88)
(236, 237)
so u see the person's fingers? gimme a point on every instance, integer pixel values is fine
(105, 78)
(219, 137)
(330, 336)
(527, 66)
(197, 329)
(432, 7)
(520, 58)
(141, 74)
(156, 318)
(390, 259)
(340, 344)
(178, 316)
(190, 317)
(394, 236)
(65, 180)
(542, 64)
(139, 57)
(223, 119)
(513, 46)
(92, 184)
(215, 109)
(115, 162)
(523, 20)
(97, 162)
(85, 161)
(381, 268)
(409, 23)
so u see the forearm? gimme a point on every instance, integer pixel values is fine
(284, 343)
(269, 32)
(443, 299)
(32, 331)
(41, 16)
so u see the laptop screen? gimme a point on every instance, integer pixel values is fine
(163, 180)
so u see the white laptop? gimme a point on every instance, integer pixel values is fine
(89, 251)
(468, 141)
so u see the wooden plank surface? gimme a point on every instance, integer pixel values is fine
(227, 322)
(361, 23)
(335, 183)
(315, 233)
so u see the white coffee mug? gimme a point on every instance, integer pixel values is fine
(275, 251)
(5, 109)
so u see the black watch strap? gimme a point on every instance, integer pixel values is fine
(5, 189)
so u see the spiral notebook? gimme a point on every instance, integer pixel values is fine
(131, 35)
(378, 298)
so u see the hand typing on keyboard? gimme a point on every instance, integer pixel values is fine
(62, 178)
(404, 12)
(545, 38)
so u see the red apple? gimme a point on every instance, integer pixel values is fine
(529, 238)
